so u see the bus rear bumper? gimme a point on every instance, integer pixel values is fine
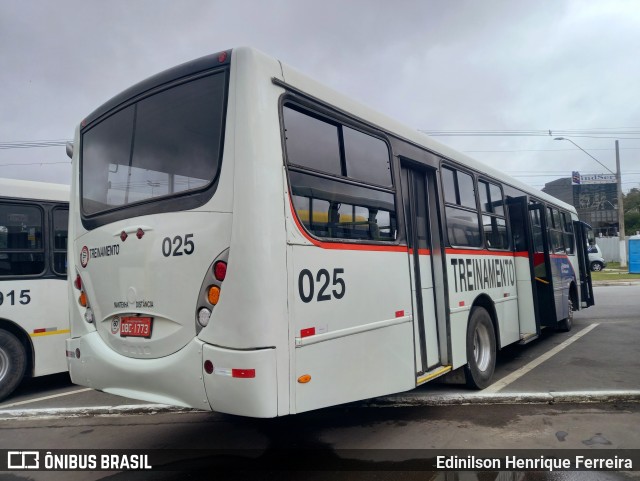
(175, 379)
(242, 382)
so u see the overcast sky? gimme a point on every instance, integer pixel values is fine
(435, 65)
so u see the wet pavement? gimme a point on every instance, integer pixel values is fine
(342, 443)
(566, 392)
(597, 361)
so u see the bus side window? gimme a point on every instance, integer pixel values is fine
(569, 238)
(21, 244)
(59, 225)
(494, 223)
(536, 228)
(463, 229)
(330, 168)
(554, 226)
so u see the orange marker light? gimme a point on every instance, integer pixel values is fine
(213, 295)
(304, 379)
(83, 299)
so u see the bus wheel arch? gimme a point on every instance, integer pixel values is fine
(16, 356)
(481, 344)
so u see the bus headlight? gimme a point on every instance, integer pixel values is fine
(88, 315)
(203, 316)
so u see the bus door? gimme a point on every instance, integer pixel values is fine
(542, 269)
(586, 289)
(523, 246)
(425, 250)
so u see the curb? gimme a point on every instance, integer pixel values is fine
(568, 397)
(396, 400)
(123, 410)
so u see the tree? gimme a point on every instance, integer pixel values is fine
(632, 211)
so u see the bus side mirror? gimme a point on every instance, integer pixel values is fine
(70, 149)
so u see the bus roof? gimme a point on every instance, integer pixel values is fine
(27, 189)
(311, 87)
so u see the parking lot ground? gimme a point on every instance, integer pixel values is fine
(579, 366)
(597, 361)
(385, 443)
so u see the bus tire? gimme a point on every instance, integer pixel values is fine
(13, 363)
(481, 349)
(565, 324)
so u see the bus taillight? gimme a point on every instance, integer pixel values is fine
(220, 270)
(82, 300)
(210, 289)
(208, 367)
(78, 282)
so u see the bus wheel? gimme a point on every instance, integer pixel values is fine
(481, 349)
(13, 363)
(565, 324)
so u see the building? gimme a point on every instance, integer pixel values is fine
(595, 197)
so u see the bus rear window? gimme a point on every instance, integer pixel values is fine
(162, 145)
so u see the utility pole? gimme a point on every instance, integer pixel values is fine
(623, 244)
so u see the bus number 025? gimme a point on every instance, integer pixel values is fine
(177, 245)
(323, 278)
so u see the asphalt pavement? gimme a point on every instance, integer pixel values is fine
(597, 361)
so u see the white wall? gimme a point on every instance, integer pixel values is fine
(610, 247)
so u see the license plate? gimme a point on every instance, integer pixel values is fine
(136, 326)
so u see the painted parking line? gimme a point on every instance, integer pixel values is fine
(44, 398)
(505, 381)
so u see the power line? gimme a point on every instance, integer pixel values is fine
(546, 150)
(33, 163)
(551, 174)
(601, 133)
(31, 144)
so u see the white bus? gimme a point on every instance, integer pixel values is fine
(34, 320)
(248, 241)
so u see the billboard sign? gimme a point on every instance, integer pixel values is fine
(577, 179)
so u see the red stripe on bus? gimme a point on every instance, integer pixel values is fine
(485, 252)
(398, 248)
(342, 245)
(421, 252)
(357, 247)
(36, 331)
(538, 257)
